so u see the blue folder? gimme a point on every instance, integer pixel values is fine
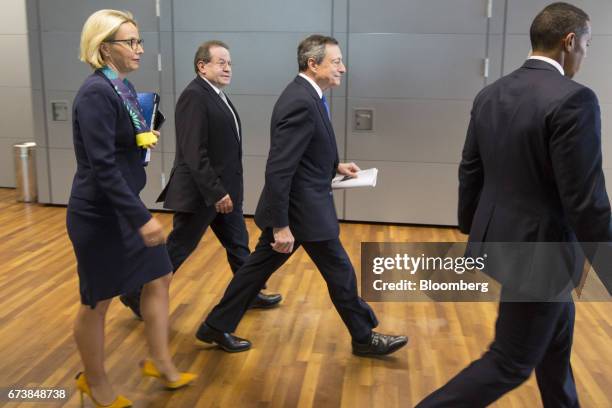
(149, 103)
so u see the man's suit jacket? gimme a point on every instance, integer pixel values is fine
(208, 161)
(531, 169)
(301, 164)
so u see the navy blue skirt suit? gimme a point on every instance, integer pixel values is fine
(105, 211)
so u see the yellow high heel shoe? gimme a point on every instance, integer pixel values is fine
(83, 387)
(149, 370)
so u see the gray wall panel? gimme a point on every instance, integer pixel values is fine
(254, 177)
(42, 175)
(263, 62)
(421, 193)
(62, 163)
(495, 54)
(255, 112)
(416, 66)
(340, 16)
(608, 177)
(61, 49)
(522, 12)
(496, 23)
(7, 163)
(153, 187)
(418, 16)
(168, 160)
(62, 69)
(38, 118)
(35, 62)
(339, 203)
(248, 15)
(165, 15)
(32, 14)
(70, 15)
(59, 133)
(516, 51)
(14, 72)
(168, 136)
(16, 113)
(410, 130)
(13, 17)
(606, 132)
(15, 86)
(338, 113)
(167, 59)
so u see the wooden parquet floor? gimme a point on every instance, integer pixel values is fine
(301, 355)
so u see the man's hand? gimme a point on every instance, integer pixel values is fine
(224, 205)
(348, 169)
(152, 233)
(283, 240)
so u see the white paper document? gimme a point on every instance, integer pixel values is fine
(365, 178)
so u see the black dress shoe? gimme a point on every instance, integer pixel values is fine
(132, 300)
(226, 341)
(379, 345)
(263, 301)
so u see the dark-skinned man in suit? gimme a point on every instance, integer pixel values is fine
(531, 172)
(296, 208)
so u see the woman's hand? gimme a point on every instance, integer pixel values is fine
(152, 233)
(157, 134)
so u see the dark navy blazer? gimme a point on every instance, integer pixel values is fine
(531, 169)
(109, 164)
(301, 164)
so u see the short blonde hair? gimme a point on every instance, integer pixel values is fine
(99, 27)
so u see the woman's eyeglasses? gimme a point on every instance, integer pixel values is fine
(133, 43)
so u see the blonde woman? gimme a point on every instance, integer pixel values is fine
(119, 246)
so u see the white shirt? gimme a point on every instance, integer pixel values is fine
(550, 61)
(313, 83)
(217, 90)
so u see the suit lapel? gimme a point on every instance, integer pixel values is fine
(322, 111)
(215, 97)
(238, 135)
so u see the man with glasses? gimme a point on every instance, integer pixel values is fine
(205, 187)
(296, 207)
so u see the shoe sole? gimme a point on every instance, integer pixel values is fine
(227, 350)
(270, 306)
(390, 351)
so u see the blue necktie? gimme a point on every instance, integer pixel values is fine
(324, 100)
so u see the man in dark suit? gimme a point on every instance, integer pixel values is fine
(205, 187)
(531, 172)
(296, 208)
